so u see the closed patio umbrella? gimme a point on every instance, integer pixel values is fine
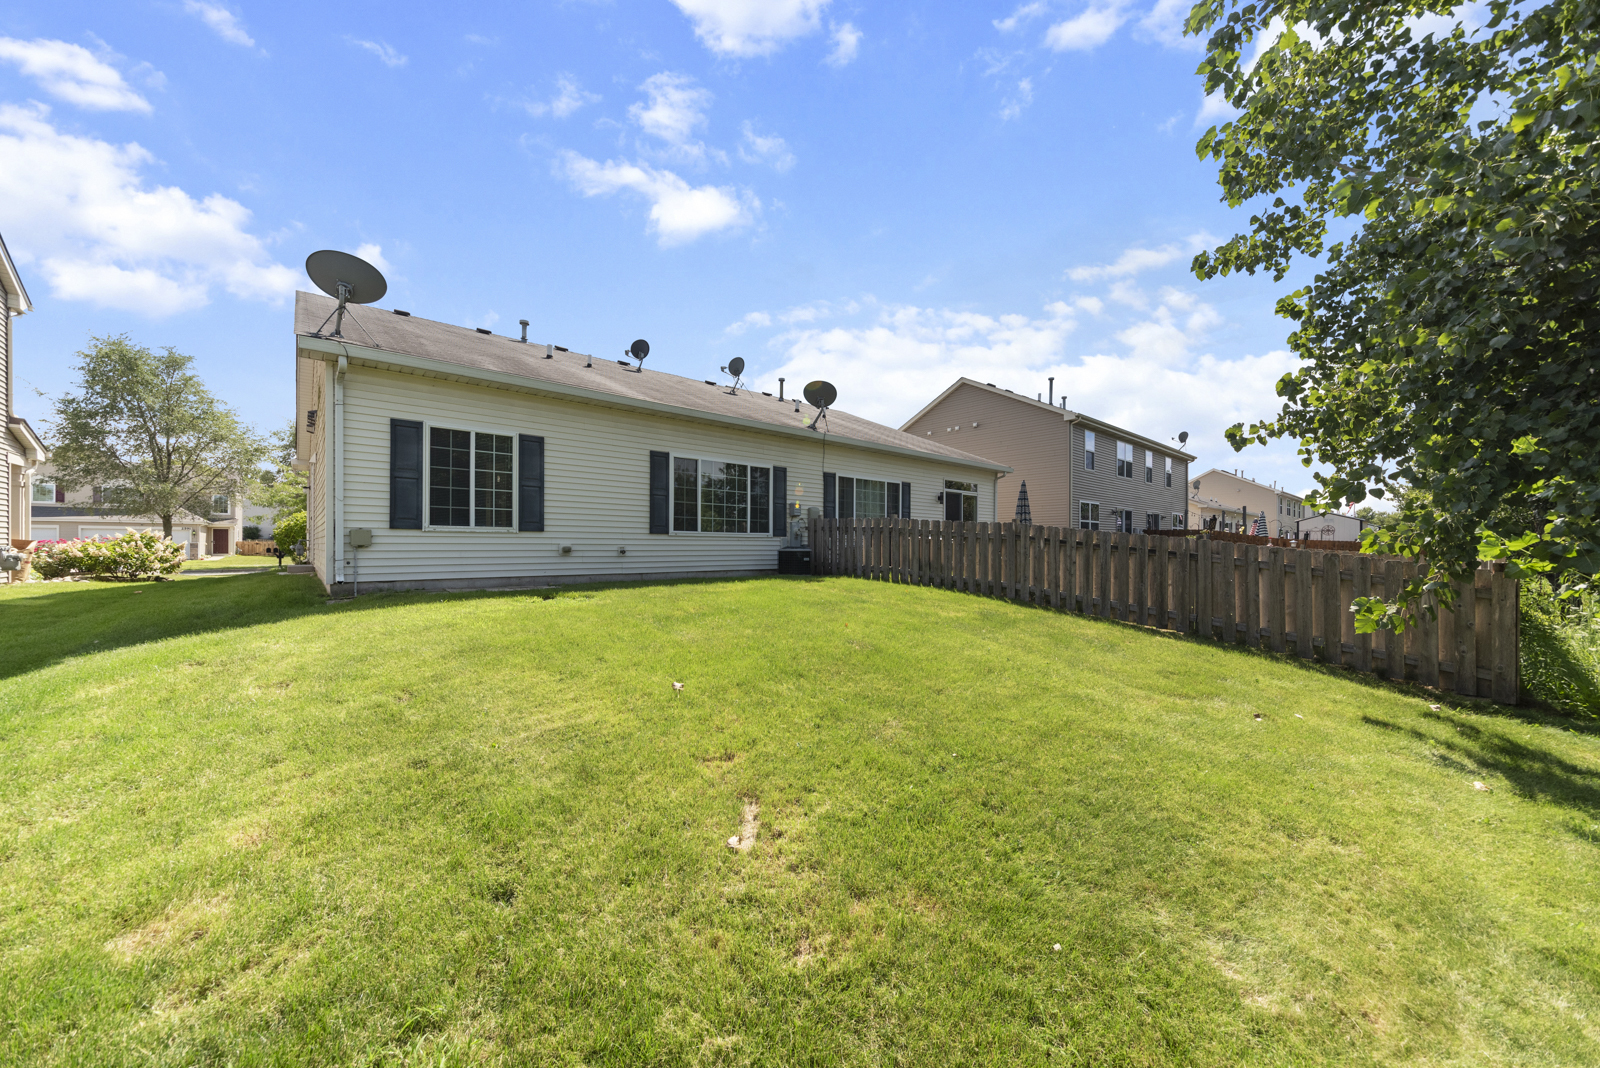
(1024, 512)
(1261, 526)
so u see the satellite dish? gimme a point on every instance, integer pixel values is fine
(349, 278)
(820, 394)
(736, 366)
(1183, 437)
(639, 349)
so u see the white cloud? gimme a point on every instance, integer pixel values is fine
(756, 319)
(761, 149)
(570, 96)
(676, 109)
(1012, 106)
(1025, 13)
(679, 212)
(223, 22)
(1165, 23)
(1091, 29)
(386, 54)
(846, 43)
(1134, 260)
(82, 212)
(751, 27)
(1214, 109)
(72, 73)
(373, 254)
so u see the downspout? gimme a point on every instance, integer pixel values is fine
(336, 534)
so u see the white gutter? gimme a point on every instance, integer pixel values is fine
(383, 358)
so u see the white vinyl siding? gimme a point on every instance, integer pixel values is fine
(597, 484)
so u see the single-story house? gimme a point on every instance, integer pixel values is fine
(1331, 526)
(442, 456)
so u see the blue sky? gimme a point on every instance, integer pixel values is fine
(885, 195)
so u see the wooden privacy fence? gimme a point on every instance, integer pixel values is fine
(1262, 596)
(254, 548)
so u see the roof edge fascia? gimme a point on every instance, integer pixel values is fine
(408, 362)
(30, 441)
(17, 293)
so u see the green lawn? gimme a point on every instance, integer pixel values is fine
(232, 561)
(245, 826)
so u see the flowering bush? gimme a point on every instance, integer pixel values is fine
(126, 557)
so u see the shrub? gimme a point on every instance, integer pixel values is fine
(289, 531)
(1559, 649)
(126, 557)
(252, 532)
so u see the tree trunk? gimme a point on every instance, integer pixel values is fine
(166, 527)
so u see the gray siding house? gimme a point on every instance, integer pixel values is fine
(1081, 471)
(20, 448)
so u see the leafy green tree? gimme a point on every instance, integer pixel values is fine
(289, 532)
(145, 430)
(1449, 338)
(281, 488)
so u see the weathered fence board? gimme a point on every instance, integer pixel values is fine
(1266, 596)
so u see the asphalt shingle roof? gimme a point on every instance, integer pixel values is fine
(379, 328)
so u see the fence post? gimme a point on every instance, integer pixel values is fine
(1276, 609)
(1332, 619)
(1394, 649)
(1466, 639)
(1252, 596)
(1228, 594)
(1503, 686)
(1362, 587)
(1304, 614)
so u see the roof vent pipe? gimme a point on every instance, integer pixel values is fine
(1052, 391)
(524, 323)
(780, 389)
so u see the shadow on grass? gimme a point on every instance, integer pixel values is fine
(1535, 773)
(49, 624)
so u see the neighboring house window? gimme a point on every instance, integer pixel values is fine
(219, 503)
(1089, 515)
(1169, 472)
(1152, 521)
(469, 479)
(720, 497)
(1149, 466)
(1124, 521)
(1124, 459)
(960, 501)
(44, 492)
(1088, 452)
(1179, 521)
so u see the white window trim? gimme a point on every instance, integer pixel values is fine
(1088, 450)
(1096, 520)
(672, 496)
(427, 474)
(872, 478)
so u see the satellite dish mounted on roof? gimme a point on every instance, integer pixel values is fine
(638, 350)
(820, 395)
(735, 368)
(349, 278)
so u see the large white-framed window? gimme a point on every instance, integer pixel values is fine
(720, 497)
(1124, 459)
(1179, 521)
(1169, 472)
(1088, 451)
(1149, 466)
(44, 492)
(471, 479)
(960, 501)
(1152, 521)
(1089, 515)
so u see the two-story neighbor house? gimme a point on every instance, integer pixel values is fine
(20, 447)
(1081, 471)
(443, 457)
(1235, 502)
(60, 514)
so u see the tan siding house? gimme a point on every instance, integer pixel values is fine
(1045, 446)
(1233, 503)
(21, 451)
(631, 474)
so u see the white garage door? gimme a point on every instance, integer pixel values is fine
(46, 533)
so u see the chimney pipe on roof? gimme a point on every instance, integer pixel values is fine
(1052, 391)
(780, 389)
(524, 323)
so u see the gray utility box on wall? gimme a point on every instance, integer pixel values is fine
(794, 561)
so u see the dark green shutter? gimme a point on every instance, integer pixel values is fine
(905, 500)
(660, 493)
(830, 502)
(530, 482)
(405, 474)
(780, 501)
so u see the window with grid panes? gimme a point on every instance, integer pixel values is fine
(449, 477)
(491, 490)
(1124, 459)
(1089, 515)
(685, 494)
(724, 498)
(720, 497)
